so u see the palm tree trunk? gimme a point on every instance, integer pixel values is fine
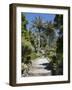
(38, 41)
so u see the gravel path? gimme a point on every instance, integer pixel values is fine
(38, 67)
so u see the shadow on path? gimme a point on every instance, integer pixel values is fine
(48, 66)
(40, 67)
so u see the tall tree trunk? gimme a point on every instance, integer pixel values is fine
(38, 41)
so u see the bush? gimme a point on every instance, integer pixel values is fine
(33, 56)
(57, 66)
(27, 49)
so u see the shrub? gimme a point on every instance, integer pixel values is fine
(33, 55)
(57, 65)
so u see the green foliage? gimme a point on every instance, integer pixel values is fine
(25, 52)
(24, 23)
(33, 56)
(37, 23)
(59, 45)
(26, 35)
(49, 28)
(25, 40)
(26, 47)
(33, 42)
(58, 21)
(28, 43)
(57, 60)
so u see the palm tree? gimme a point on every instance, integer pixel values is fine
(49, 32)
(37, 25)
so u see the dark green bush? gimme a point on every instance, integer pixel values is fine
(57, 65)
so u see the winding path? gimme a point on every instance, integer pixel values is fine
(38, 67)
